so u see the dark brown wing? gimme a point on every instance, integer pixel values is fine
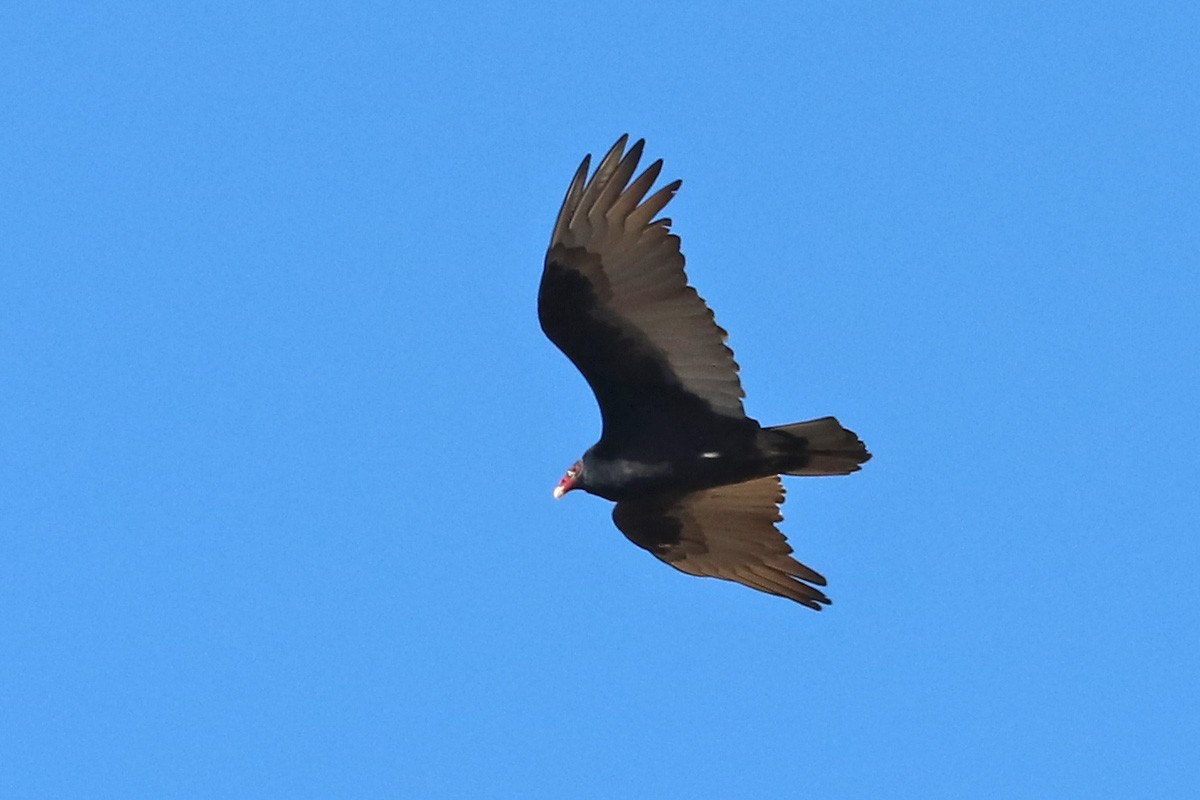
(729, 533)
(615, 299)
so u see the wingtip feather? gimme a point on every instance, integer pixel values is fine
(571, 201)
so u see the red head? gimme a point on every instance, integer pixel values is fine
(569, 481)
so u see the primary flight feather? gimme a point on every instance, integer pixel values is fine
(696, 481)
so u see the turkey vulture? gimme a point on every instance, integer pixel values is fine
(695, 480)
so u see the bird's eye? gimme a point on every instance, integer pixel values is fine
(572, 472)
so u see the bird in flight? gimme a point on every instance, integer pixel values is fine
(696, 481)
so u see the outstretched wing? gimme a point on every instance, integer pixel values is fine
(615, 299)
(729, 533)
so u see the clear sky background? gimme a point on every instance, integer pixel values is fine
(278, 427)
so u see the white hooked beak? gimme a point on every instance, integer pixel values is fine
(567, 483)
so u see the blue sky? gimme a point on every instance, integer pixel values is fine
(278, 428)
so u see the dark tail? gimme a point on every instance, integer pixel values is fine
(817, 447)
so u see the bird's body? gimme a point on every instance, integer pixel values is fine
(727, 454)
(695, 479)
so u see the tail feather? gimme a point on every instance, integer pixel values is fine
(817, 447)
